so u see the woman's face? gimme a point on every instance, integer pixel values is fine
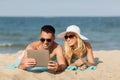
(71, 39)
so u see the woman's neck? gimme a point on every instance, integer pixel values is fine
(74, 47)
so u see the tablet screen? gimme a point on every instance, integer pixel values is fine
(41, 57)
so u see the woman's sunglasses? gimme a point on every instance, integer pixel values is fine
(43, 40)
(70, 36)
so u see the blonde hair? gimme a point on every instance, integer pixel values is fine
(79, 52)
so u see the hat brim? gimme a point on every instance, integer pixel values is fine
(62, 34)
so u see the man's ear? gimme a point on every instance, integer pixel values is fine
(54, 38)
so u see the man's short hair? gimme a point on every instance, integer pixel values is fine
(48, 29)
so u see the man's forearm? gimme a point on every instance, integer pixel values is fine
(21, 66)
(61, 67)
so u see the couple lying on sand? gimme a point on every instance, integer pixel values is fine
(77, 53)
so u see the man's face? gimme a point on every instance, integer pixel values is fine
(46, 39)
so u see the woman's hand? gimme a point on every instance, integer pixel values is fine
(79, 62)
(52, 65)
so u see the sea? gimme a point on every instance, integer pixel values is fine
(17, 32)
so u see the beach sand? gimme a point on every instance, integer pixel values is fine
(108, 63)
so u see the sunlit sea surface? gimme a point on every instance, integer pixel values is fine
(17, 32)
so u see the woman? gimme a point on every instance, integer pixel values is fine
(78, 51)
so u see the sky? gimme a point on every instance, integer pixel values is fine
(59, 8)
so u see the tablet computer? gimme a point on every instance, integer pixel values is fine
(41, 57)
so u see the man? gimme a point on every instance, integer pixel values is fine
(46, 42)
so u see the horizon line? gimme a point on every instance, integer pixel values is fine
(59, 16)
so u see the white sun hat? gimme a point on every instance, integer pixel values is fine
(71, 28)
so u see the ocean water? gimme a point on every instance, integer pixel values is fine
(17, 32)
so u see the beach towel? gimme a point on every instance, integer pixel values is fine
(17, 61)
(78, 69)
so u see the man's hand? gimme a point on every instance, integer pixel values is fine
(52, 65)
(27, 62)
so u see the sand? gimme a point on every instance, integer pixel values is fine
(108, 63)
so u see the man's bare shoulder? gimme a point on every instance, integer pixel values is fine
(58, 47)
(33, 45)
(57, 44)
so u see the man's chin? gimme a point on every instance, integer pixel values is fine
(45, 47)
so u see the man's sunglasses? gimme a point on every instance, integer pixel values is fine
(70, 36)
(43, 40)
